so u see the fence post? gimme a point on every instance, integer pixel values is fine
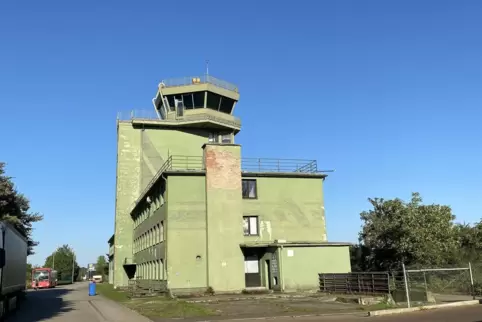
(425, 281)
(406, 284)
(472, 289)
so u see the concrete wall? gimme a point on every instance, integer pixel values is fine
(157, 144)
(289, 208)
(127, 191)
(224, 217)
(141, 151)
(186, 258)
(300, 266)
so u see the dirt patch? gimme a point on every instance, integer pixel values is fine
(277, 307)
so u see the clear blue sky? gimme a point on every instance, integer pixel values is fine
(387, 92)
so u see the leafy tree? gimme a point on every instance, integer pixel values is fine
(396, 232)
(102, 266)
(82, 273)
(61, 260)
(15, 209)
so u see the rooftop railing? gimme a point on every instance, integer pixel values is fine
(253, 165)
(278, 165)
(195, 80)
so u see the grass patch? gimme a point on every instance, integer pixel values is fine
(159, 306)
(168, 308)
(108, 291)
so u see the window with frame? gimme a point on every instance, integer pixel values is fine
(226, 138)
(213, 137)
(249, 188)
(250, 225)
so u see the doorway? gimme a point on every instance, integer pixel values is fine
(252, 273)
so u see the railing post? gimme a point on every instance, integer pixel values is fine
(471, 281)
(359, 283)
(373, 283)
(406, 285)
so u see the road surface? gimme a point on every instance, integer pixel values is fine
(71, 303)
(461, 314)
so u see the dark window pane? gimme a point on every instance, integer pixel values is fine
(226, 105)
(198, 99)
(213, 101)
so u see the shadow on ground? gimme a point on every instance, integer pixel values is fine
(42, 305)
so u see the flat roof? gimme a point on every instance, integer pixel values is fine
(295, 244)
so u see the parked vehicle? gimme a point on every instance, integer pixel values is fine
(44, 278)
(13, 267)
(97, 278)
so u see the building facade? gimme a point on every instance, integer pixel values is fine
(191, 211)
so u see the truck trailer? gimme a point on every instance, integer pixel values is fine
(13, 267)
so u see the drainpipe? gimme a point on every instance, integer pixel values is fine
(281, 277)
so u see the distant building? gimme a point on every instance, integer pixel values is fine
(191, 211)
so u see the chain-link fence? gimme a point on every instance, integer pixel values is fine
(419, 286)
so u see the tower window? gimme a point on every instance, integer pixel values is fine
(226, 138)
(213, 137)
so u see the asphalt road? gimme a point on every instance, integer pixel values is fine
(70, 303)
(63, 303)
(461, 314)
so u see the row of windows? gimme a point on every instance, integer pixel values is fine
(154, 204)
(150, 238)
(153, 270)
(214, 137)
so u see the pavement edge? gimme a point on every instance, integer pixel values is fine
(423, 308)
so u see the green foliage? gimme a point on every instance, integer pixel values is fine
(102, 266)
(61, 260)
(396, 232)
(82, 273)
(15, 209)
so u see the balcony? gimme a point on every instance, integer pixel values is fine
(194, 117)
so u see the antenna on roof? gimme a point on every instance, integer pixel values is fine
(207, 67)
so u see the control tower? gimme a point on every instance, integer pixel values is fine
(188, 112)
(205, 102)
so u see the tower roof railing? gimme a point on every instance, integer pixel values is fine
(195, 80)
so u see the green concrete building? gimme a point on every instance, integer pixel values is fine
(193, 212)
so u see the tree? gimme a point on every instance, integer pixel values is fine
(396, 232)
(102, 266)
(82, 273)
(61, 260)
(15, 209)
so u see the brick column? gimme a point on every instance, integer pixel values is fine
(224, 217)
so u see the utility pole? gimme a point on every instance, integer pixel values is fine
(73, 266)
(53, 259)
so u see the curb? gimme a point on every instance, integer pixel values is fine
(296, 316)
(423, 308)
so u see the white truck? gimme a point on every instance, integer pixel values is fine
(13, 268)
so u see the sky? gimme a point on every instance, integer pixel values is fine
(388, 93)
